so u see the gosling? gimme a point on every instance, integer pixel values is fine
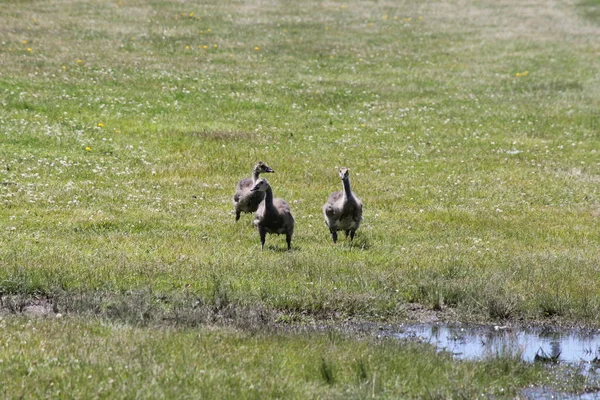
(273, 216)
(245, 200)
(343, 210)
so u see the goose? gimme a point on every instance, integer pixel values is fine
(273, 215)
(343, 210)
(245, 200)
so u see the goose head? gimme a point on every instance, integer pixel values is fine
(344, 173)
(261, 185)
(261, 167)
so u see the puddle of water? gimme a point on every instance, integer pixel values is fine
(474, 342)
(477, 342)
(541, 393)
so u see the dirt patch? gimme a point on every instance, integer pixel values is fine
(147, 308)
(422, 314)
(26, 305)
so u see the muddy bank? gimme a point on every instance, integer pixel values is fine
(145, 307)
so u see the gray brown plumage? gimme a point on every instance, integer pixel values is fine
(343, 210)
(273, 215)
(244, 200)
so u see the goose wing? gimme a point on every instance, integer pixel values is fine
(242, 187)
(329, 208)
(358, 212)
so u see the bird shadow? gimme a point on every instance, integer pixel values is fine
(359, 243)
(280, 249)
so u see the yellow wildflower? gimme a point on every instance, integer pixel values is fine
(525, 73)
(64, 68)
(208, 30)
(79, 61)
(29, 49)
(215, 46)
(88, 148)
(24, 41)
(420, 18)
(385, 17)
(187, 47)
(100, 125)
(191, 14)
(205, 47)
(518, 74)
(331, 57)
(256, 48)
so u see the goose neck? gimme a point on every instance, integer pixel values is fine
(269, 197)
(347, 190)
(255, 175)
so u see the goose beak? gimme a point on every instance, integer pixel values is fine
(269, 170)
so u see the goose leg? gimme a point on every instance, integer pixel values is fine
(347, 232)
(263, 234)
(334, 236)
(237, 216)
(352, 232)
(288, 239)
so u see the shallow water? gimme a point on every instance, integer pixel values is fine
(473, 342)
(541, 393)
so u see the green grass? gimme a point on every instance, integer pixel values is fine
(471, 141)
(590, 9)
(68, 358)
(471, 130)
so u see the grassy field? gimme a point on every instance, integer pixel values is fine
(75, 359)
(471, 130)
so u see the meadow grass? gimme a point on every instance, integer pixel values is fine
(471, 130)
(72, 358)
(121, 148)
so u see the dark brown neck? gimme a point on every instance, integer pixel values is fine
(269, 197)
(347, 190)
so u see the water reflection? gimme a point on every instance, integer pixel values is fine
(477, 342)
(543, 393)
